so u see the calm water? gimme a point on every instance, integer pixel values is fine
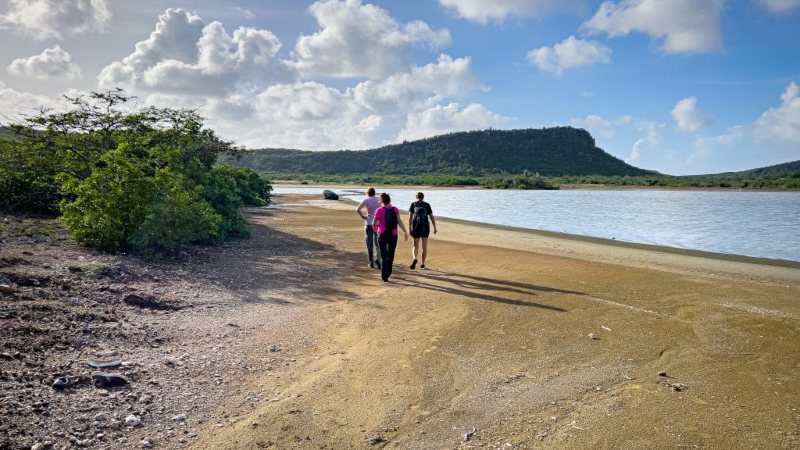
(763, 224)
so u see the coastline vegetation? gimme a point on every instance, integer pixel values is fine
(122, 179)
(521, 181)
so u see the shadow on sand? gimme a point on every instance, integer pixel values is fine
(471, 286)
(273, 266)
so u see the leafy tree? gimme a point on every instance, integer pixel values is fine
(142, 178)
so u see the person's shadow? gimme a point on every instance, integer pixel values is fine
(471, 286)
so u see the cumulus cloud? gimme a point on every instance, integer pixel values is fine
(247, 93)
(442, 119)
(358, 40)
(484, 11)
(781, 124)
(182, 56)
(52, 63)
(688, 118)
(779, 6)
(570, 53)
(447, 77)
(299, 102)
(682, 26)
(44, 19)
(13, 103)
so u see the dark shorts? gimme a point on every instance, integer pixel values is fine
(420, 233)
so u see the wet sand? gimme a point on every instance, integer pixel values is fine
(529, 339)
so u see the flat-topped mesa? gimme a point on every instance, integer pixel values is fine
(548, 151)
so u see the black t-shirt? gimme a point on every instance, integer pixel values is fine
(421, 204)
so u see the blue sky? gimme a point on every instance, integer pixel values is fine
(679, 86)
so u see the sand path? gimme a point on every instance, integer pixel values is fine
(495, 338)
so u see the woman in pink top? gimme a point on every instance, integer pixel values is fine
(387, 219)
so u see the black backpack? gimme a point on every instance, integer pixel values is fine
(420, 215)
(391, 218)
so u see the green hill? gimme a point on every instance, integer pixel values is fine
(555, 151)
(787, 168)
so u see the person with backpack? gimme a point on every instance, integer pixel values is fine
(387, 219)
(371, 203)
(420, 218)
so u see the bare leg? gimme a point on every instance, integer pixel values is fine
(415, 249)
(424, 249)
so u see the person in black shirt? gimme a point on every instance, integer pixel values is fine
(420, 219)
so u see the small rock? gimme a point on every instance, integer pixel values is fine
(274, 348)
(469, 434)
(662, 374)
(180, 417)
(133, 420)
(7, 289)
(594, 336)
(146, 443)
(375, 440)
(329, 195)
(104, 379)
(679, 387)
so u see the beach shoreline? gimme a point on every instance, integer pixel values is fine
(532, 340)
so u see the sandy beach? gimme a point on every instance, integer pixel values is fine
(523, 339)
(513, 339)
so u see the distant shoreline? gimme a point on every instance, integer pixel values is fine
(595, 187)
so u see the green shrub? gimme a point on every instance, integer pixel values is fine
(144, 180)
(179, 216)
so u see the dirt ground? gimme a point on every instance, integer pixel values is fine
(288, 340)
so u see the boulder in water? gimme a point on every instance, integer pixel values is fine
(330, 195)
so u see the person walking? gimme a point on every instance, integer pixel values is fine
(387, 219)
(371, 203)
(420, 219)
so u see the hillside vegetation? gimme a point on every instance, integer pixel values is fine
(556, 151)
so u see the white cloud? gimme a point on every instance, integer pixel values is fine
(44, 19)
(357, 40)
(13, 103)
(182, 56)
(52, 63)
(571, 53)
(684, 26)
(649, 140)
(447, 77)
(781, 124)
(596, 125)
(244, 13)
(705, 146)
(299, 102)
(247, 93)
(779, 6)
(484, 11)
(442, 119)
(688, 118)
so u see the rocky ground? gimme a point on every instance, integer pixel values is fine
(165, 329)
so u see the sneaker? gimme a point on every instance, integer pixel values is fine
(423, 267)
(414, 264)
(371, 265)
(378, 263)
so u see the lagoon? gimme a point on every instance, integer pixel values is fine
(758, 224)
